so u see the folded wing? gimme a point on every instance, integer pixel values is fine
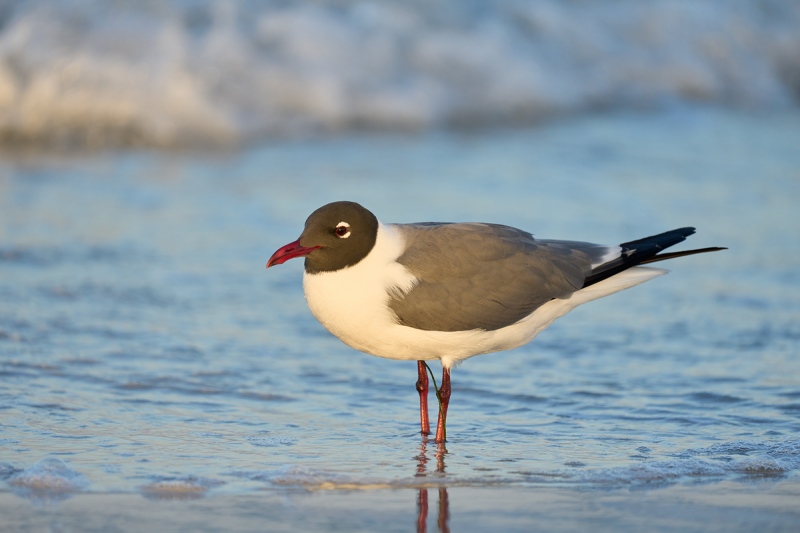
(486, 276)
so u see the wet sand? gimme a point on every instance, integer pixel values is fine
(726, 507)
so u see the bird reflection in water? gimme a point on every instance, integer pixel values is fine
(422, 497)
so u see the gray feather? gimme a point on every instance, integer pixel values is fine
(484, 276)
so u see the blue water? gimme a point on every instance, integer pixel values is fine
(145, 350)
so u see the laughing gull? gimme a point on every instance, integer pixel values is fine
(446, 291)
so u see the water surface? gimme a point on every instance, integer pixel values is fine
(147, 357)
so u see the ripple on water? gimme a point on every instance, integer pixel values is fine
(710, 397)
(47, 256)
(271, 442)
(7, 470)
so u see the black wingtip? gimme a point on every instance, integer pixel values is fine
(662, 240)
(646, 250)
(673, 255)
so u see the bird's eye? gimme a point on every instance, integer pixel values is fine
(342, 230)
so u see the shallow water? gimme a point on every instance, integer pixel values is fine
(144, 350)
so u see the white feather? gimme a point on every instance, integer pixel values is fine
(611, 253)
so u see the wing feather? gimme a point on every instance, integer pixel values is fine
(483, 276)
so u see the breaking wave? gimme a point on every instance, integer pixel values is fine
(199, 72)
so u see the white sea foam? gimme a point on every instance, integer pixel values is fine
(50, 475)
(89, 72)
(179, 488)
(737, 460)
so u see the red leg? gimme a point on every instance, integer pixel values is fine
(444, 394)
(422, 388)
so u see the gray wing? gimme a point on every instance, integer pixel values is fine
(485, 276)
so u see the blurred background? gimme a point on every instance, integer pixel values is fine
(189, 73)
(154, 154)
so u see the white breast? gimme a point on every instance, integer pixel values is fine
(352, 303)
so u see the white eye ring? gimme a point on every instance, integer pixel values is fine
(342, 226)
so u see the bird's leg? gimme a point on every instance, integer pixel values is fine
(444, 400)
(422, 388)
